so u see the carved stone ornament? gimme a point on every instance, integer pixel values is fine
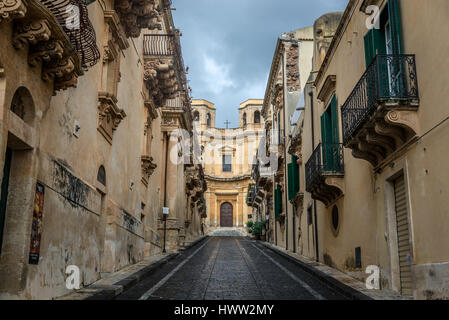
(148, 167)
(160, 79)
(109, 115)
(31, 32)
(45, 51)
(292, 66)
(139, 14)
(12, 9)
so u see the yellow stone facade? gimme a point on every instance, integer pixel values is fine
(228, 189)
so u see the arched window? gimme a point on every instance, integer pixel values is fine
(101, 176)
(244, 119)
(335, 218)
(208, 119)
(196, 116)
(22, 105)
(257, 117)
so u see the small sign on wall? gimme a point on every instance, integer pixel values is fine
(36, 227)
(165, 211)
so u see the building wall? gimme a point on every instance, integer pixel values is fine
(241, 143)
(99, 228)
(367, 212)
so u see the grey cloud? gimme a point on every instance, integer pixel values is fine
(236, 39)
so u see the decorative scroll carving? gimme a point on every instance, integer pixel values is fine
(148, 167)
(160, 79)
(277, 96)
(293, 81)
(139, 14)
(30, 32)
(58, 68)
(384, 133)
(109, 114)
(12, 9)
(45, 51)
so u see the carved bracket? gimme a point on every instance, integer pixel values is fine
(136, 15)
(12, 9)
(148, 167)
(109, 115)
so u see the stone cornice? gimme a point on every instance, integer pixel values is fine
(328, 88)
(336, 40)
(112, 19)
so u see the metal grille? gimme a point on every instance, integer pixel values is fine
(389, 77)
(326, 158)
(83, 38)
(403, 237)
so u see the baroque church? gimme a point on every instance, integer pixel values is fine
(227, 158)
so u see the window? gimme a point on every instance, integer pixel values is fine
(330, 136)
(196, 116)
(244, 119)
(257, 117)
(101, 176)
(335, 218)
(208, 119)
(227, 163)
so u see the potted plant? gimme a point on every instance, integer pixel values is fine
(257, 229)
(250, 225)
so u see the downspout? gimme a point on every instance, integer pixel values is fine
(317, 257)
(285, 149)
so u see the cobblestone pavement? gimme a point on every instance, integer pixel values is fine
(230, 268)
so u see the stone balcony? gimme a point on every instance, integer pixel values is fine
(136, 15)
(325, 173)
(40, 27)
(380, 115)
(164, 73)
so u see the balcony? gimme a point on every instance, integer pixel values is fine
(325, 172)
(251, 195)
(380, 115)
(164, 73)
(62, 51)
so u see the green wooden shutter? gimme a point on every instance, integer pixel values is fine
(334, 120)
(374, 45)
(295, 174)
(395, 25)
(291, 191)
(277, 201)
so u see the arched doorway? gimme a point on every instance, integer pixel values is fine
(226, 215)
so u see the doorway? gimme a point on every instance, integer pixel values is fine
(226, 215)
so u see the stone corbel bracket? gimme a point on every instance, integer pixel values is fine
(328, 190)
(384, 133)
(148, 168)
(136, 15)
(12, 9)
(109, 115)
(47, 42)
(160, 79)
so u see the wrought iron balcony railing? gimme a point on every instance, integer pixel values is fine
(389, 78)
(251, 195)
(326, 159)
(166, 45)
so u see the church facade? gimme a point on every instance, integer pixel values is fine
(227, 159)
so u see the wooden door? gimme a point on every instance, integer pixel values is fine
(226, 215)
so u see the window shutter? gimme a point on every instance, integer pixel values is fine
(295, 174)
(277, 202)
(334, 112)
(395, 25)
(291, 191)
(374, 45)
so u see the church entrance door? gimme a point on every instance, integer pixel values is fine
(226, 215)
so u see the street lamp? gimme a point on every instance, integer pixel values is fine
(165, 212)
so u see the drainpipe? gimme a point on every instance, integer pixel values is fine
(165, 189)
(285, 149)
(317, 257)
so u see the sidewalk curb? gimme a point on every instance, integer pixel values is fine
(109, 292)
(342, 288)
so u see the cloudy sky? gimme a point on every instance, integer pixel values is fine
(229, 45)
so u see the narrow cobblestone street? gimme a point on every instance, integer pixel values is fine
(230, 268)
